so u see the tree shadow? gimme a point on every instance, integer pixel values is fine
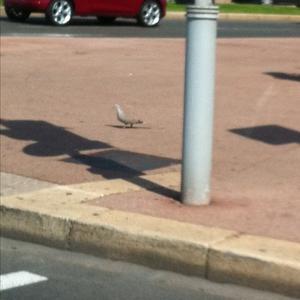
(51, 140)
(284, 76)
(269, 134)
(48, 139)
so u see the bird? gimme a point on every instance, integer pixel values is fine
(121, 116)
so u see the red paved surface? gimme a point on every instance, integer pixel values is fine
(58, 122)
(258, 216)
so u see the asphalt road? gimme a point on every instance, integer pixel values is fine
(66, 275)
(169, 28)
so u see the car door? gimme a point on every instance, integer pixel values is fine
(111, 7)
(83, 7)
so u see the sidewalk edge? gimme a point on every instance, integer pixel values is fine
(243, 16)
(212, 253)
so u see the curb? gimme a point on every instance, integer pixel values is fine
(59, 216)
(242, 16)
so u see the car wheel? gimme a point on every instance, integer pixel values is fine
(60, 12)
(16, 14)
(150, 13)
(106, 20)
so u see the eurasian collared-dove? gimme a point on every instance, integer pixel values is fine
(124, 119)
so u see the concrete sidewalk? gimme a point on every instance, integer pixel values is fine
(87, 184)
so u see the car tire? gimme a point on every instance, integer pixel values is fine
(60, 12)
(15, 14)
(106, 20)
(150, 14)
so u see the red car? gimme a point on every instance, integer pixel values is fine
(60, 12)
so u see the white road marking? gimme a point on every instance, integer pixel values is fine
(17, 279)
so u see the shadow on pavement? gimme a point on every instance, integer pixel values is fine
(130, 167)
(48, 139)
(284, 76)
(126, 127)
(269, 134)
(117, 163)
(111, 163)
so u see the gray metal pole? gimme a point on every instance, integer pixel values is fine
(198, 102)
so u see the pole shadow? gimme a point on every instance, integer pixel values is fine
(130, 166)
